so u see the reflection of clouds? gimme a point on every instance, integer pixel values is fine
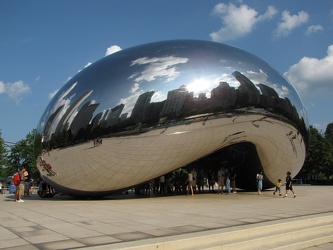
(230, 79)
(72, 116)
(129, 102)
(61, 101)
(159, 96)
(262, 77)
(134, 88)
(158, 67)
(155, 67)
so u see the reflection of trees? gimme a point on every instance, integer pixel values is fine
(179, 104)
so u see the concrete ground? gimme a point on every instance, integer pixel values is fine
(64, 222)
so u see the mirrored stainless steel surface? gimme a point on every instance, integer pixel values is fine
(148, 110)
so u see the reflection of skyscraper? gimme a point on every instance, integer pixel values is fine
(140, 106)
(224, 95)
(83, 117)
(69, 111)
(248, 93)
(269, 97)
(266, 90)
(50, 123)
(152, 112)
(174, 101)
(96, 120)
(114, 114)
(123, 117)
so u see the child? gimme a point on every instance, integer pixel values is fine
(278, 187)
(289, 185)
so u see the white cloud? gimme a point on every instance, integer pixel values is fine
(314, 29)
(290, 22)
(312, 75)
(112, 49)
(238, 21)
(14, 90)
(53, 94)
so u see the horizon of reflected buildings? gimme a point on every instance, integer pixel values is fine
(83, 125)
(151, 87)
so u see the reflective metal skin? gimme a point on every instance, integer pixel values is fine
(151, 109)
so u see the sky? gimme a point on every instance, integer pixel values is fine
(45, 43)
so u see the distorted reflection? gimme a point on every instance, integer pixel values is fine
(160, 86)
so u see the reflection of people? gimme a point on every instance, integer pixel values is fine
(260, 177)
(278, 187)
(46, 166)
(289, 185)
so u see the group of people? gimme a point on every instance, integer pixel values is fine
(288, 183)
(191, 181)
(22, 183)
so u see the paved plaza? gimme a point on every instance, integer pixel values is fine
(63, 222)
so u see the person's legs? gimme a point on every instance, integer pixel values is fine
(189, 188)
(17, 193)
(287, 188)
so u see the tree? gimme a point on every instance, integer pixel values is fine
(329, 133)
(22, 153)
(319, 159)
(314, 155)
(327, 169)
(3, 157)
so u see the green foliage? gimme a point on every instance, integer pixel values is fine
(319, 159)
(3, 157)
(22, 153)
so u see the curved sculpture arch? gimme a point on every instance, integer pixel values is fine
(148, 110)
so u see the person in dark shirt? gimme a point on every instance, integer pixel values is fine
(289, 185)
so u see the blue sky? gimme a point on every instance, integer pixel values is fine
(44, 43)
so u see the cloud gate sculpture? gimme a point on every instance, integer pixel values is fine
(151, 109)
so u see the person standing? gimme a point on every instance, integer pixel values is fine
(211, 181)
(162, 184)
(27, 184)
(189, 182)
(221, 180)
(24, 176)
(227, 180)
(194, 183)
(233, 181)
(289, 185)
(260, 177)
(200, 180)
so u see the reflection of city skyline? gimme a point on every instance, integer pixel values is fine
(180, 103)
